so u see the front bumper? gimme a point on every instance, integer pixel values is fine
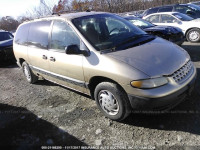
(162, 103)
(177, 38)
(6, 54)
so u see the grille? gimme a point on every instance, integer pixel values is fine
(181, 74)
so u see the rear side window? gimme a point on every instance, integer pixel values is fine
(38, 34)
(166, 9)
(151, 11)
(22, 34)
(168, 19)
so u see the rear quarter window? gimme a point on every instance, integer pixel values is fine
(38, 34)
(22, 34)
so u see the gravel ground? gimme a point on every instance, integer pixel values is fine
(35, 116)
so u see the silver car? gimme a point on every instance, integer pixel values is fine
(103, 55)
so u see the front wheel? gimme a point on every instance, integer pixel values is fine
(30, 76)
(112, 101)
(193, 35)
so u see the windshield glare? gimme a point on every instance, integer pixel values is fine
(104, 31)
(141, 23)
(183, 17)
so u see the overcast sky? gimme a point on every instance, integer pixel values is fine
(16, 8)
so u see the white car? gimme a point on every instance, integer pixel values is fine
(189, 26)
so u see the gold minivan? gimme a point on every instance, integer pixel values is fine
(103, 55)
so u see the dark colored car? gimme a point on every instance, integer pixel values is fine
(169, 33)
(188, 9)
(195, 3)
(6, 46)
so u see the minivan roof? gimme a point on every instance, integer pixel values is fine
(68, 16)
(79, 14)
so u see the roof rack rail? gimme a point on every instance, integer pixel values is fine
(62, 12)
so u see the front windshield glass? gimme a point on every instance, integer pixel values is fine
(183, 17)
(5, 36)
(140, 23)
(104, 31)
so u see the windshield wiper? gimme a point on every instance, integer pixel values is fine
(129, 40)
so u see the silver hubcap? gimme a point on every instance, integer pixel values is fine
(108, 102)
(194, 36)
(26, 72)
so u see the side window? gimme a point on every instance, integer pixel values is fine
(38, 34)
(153, 19)
(167, 19)
(182, 9)
(62, 36)
(166, 9)
(152, 10)
(22, 34)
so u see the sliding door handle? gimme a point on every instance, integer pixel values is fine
(44, 57)
(52, 59)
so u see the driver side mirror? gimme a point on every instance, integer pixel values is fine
(74, 50)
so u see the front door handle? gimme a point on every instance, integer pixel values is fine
(44, 57)
(52, 59)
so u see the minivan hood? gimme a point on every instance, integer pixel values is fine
(156, 58)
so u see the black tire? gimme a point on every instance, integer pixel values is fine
(30, 76)
(193, 35)
(119, 97)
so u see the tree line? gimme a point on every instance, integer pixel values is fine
(114, 6)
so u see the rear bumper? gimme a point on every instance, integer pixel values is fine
(162, 103)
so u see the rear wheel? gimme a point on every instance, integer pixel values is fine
(193, 35)
(112, 101)
(30, 76)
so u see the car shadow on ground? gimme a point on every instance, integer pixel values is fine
(193, 50)
(21, 129)
(8, 64)
(184, 117)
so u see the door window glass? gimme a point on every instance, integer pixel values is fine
(153, 19)
(63, 36)
(168, 19)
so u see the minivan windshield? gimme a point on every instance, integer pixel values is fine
(106, 31)
(183, 17)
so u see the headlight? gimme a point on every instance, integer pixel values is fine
(150, 83)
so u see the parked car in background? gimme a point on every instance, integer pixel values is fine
(169, 33)
(189, 25)
(135, 13)
(195, 3)
(6, 46)
(105, 56)
(188, 9)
